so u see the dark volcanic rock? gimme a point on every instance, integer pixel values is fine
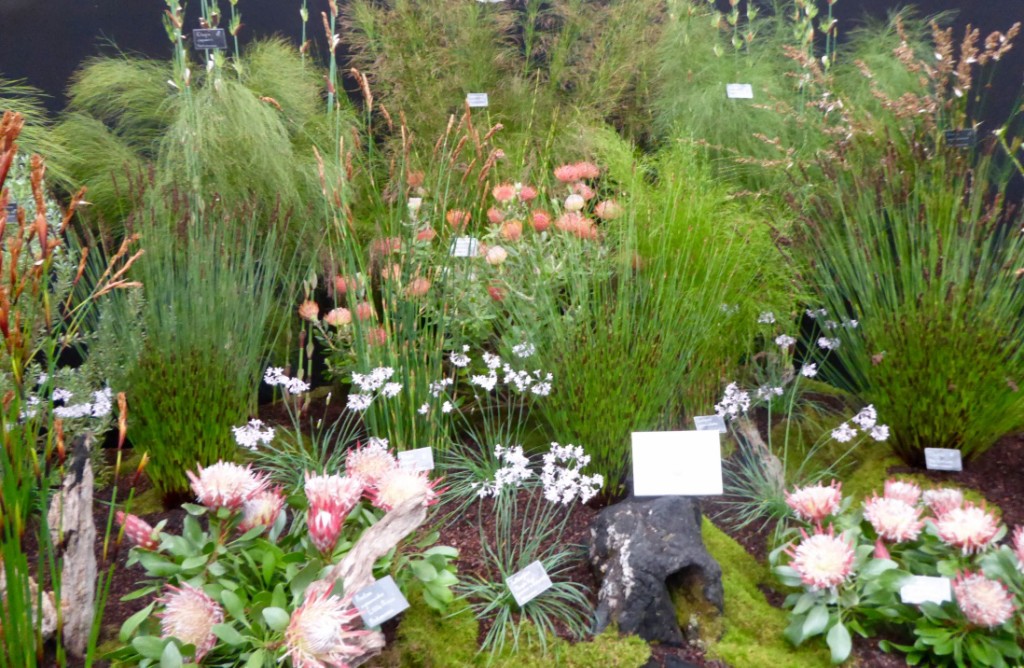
(636, 547)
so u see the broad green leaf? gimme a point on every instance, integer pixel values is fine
(132, 623)
(256, 659)
(228, 634)
(171, 657)
(150, 647)
(423, 570)
(817, 620)
(277, 618)
(839, 642)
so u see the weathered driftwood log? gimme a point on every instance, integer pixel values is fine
(355, 571)
(73, 531)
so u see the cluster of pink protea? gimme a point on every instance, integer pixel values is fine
(895, 515)
(822, 559)
(189, 614)
(574, 220)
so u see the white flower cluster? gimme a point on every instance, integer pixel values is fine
(816, 313)
(768, 391)
(460, 360)
(275, 377)
(514, 471)
(563, 484)
(809, 370)
(377, 381)
(253, 434)
(100, 406)
(784, 341)
(734, 402)
(524, 350)
(766, 318)
(867, 420)
(826, 343)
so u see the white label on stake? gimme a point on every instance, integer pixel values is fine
(920, 589)
(738, 91)
(943, 459)
(709, 423)
(528, 583)
(420, 459)
(476, 100)
(380, 601)
(465, 247)
(677, 463)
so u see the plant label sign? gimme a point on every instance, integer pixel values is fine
(380, 601)
(465, 247)
(528, 583)
(738, 91)
(920, 589)
(961, 138)
(209, 38)
(477, 100)
(420, 459)
(12, 210)
(710, 423)
(677, 463)
(943, 459)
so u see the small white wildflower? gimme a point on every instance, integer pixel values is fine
(826, 343)
(378, 443)
(809, 370)
(733, 402)
(460, 360)
(880, 432)
(524, 350)
(487, 382)
(766, 318)
(437, 387)
(541, 389)
(61, 395)
(866, 418)
(844, 433)
(447, 407)
(816, 313)
(850, 324)
(784, 341)
(391, 390)
(829, 324)
(359, 402)
(424, 409)
(767, 391)
(492, 361)
(253, 434)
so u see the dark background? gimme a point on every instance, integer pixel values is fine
(43, 41)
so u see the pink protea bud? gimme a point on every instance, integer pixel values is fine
(309, 310)
(1018, 546)
(401, 484)
(941, 501)
(567, 173)
(970, 528)
(369, 463)
(512, 230)
(364, 311)
(881, 551)
(321, 631)
(540, 220)
(814, 503)
(338, 317)
(189, 615)
(496, 292)
(138, 531)
(262, 509)
(504, 192)
(226, 485)
(894, 520)
(584, 191)
(495, 216)
(822, 560)
(324, 523)
(345, 284)
(458, 219)
(905, 491)
(984, 602)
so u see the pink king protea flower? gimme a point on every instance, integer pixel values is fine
(822, 560)
(970, 527)
(401, 484)
(894, 520)
(1018, 546)
(331, 499)
(226, 485)
(369, 463)
(815, 502)
(905, 491)
(941, 501)
(320, 633)
(984, 602)
(138, 531)
(262, 509)
(189, 615)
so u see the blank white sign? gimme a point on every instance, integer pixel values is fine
(477, 100)
(677, 463)
(920, 589)
(738, 91)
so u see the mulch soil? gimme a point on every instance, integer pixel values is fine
(996, 474)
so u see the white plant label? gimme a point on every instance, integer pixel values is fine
(465, 247)
(943, 459)
(380, 601)
(738, 91)
(710, 423)
(477, 100)
(528, 583)
(920, 589)
(420, 459)
(677, 463)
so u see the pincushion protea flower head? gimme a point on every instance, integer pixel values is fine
(587, 170)
(458, 219)
(984, 602)
(894, 520)
(226, 485)
(495, 216)
(941, 501)
(527, 193)
(309, 310)
(540, 220)
(369, 463)
(338, 317)
(503, 192)
(333, 490)
(822, 560)
(905, 491)
(815, 502)
(609, 209)
(189, 615)
(567, 173)
(138, 531)
(399, 485)
(320, 633)
(969, 527)
(262, 509)
(512, 230)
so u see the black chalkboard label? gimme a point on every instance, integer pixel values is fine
(380, 601)
(12, 210)
(961, 138)
(209, 38)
